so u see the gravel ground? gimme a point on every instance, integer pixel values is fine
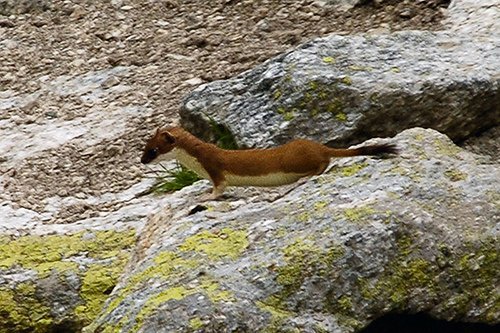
(168, 47)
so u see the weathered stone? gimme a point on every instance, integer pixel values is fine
(344, 89)
(59, 280)
(415, 233)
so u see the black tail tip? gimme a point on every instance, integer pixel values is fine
(380, 149)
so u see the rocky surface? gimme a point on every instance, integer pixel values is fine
(415, 233)
(58, 282)
(365, 85)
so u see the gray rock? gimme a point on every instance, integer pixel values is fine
(344, 89)
(9, 7)
(415, 233)
(59, 280)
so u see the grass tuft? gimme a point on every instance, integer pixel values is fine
(168, 181)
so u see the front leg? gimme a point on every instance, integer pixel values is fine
(219, 185)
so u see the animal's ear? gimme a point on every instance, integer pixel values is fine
(167, 137)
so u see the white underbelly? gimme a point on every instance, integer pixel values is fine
(191, 163)
(271, 179)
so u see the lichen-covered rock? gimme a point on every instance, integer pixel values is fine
(415, 233)
(361, 86)
(53, 282)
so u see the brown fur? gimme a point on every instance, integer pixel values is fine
(291, 161)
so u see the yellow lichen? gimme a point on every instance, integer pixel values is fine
(360, 68)
(455, 175)
(341, 116)
(195, 323)
(358, 213)
(329, 60)
(347, 80)
(226, 243)
(22, 311)
(54, 255)
(350, 170)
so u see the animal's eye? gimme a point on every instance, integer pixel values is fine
(153, 152)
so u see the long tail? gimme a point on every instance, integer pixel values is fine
(379, 149)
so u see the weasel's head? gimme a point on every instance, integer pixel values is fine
(159, 144)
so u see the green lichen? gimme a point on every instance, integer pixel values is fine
(208, 287)
(471, 278)
(446, 147)
(374, 98)
(329, 60)
(196, 323)
(302, 258)
(97, 283)
(475, 276)
(277, 94)
(288, 116)
(304, 216)
(214, 292)
(347, 80)
(54, 255)
(281, 110)
(278, 315)
(358, 213)
(400, 277)
(335, 107)
(21, 311)
(395, 70)
(419, 137)
(167, 265)
(455, 175)
(226, 243)
(350, 170)
(345, 304)
(271, 305)
(45, 254)
(360, 68)
(341, 117)
(320, 205)
(317, 97)
(174, 293)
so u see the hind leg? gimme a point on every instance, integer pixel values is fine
(321, 168)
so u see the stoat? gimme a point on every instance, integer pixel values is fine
(252, 167)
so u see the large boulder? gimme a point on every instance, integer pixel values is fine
(414, 233)
(58, 282)
(361, 86)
